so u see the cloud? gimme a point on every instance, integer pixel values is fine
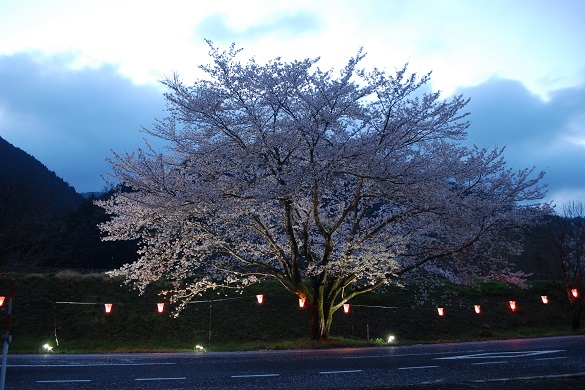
(216, 27)
(548, 134)
(71, 119)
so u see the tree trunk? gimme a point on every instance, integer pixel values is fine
(320, 318)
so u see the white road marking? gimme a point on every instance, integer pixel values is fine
(405, 354)
(182, 378)
(552, 358)
(432, 382)
(255, 375)
(496, 355)
(486, 363)
(575, 375)
(66, 381)
(339, 372)
(416, 367)
(88, 365)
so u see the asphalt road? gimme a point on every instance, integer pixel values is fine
(547, 363)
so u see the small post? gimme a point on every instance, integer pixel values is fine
(209, 321)
(6, 338)
(368, 332)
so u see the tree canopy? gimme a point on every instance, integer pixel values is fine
(565, 240)
(333, 184)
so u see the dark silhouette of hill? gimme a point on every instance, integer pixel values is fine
(81, 245)
(44, 222)
(33, 202)
(25, 174)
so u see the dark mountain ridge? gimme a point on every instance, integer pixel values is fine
(21, 172)
(45, 223)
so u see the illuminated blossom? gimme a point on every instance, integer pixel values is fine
(331, 185)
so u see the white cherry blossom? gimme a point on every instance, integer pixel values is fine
(333, 185)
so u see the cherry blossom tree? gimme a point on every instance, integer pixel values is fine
(332, 183)
(566, 241)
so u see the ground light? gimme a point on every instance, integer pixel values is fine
(47, 348)
(391, 339)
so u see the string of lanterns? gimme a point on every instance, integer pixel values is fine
(160, 306)
(512, 304)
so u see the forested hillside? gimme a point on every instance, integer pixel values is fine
(45, 223)
(28, 178)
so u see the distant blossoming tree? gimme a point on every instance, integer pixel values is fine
(332, 185)
(566, 242)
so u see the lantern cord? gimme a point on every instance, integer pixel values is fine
(220, 299)
(379, 307)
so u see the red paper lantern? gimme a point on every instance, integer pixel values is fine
(441, 311)
(301, 302)
(260, 298)
(575, 293)
(513, 305)
(160, 307)
(477, 309)
(2, 300)
(544, 299)
(346, 308)
(108, 308)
